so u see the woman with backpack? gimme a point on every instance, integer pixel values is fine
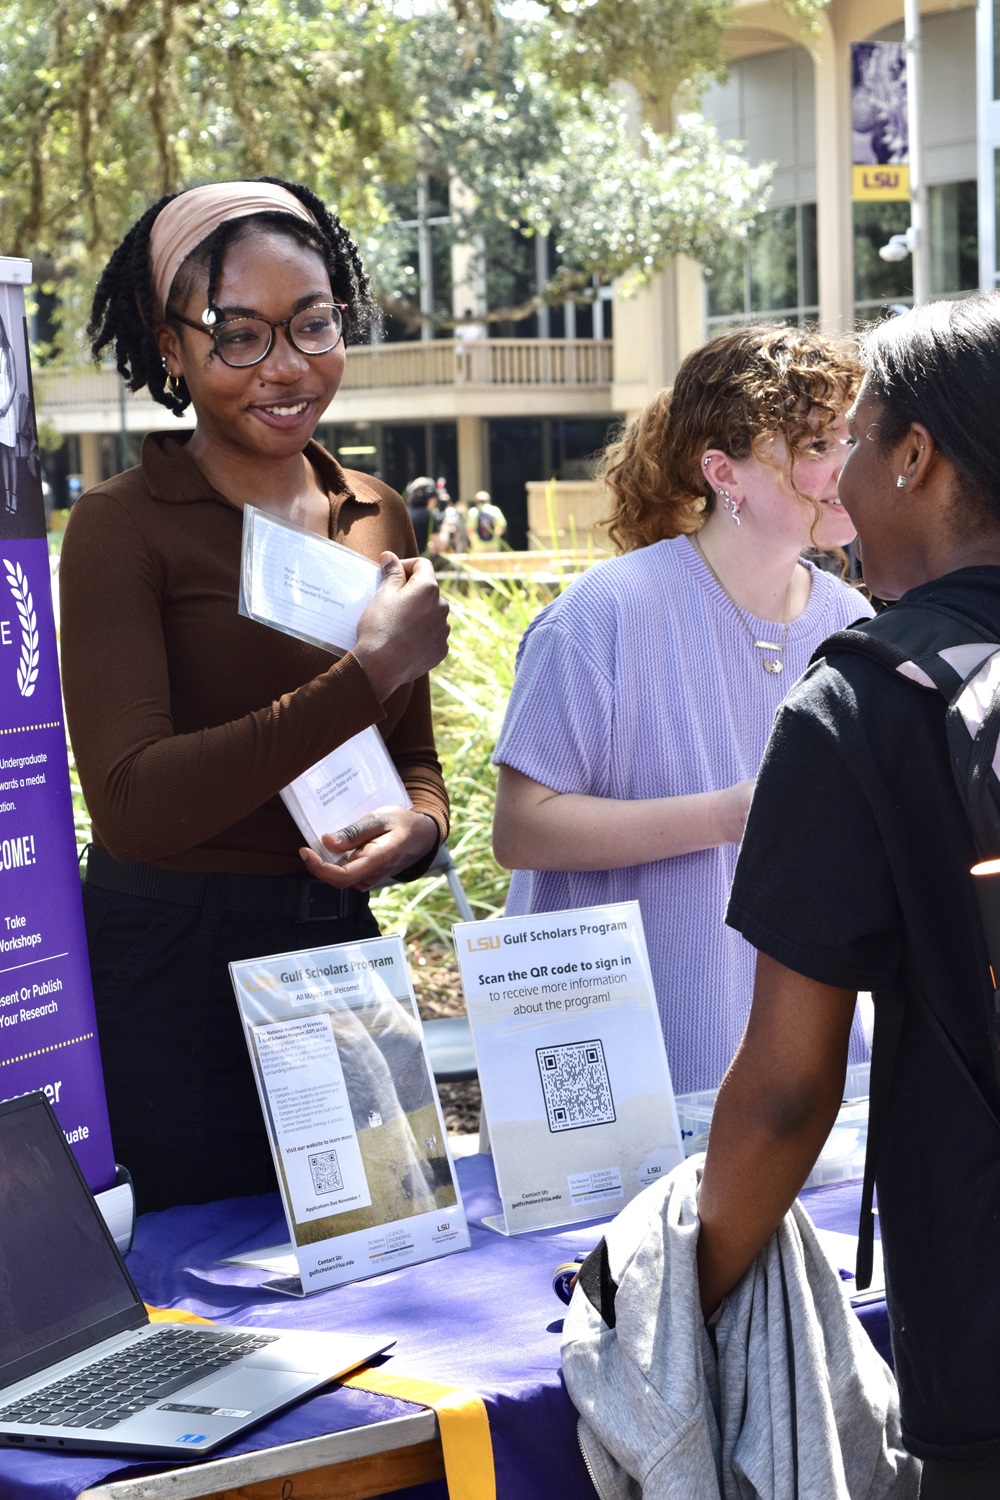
(887, 904)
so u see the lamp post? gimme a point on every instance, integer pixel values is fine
(917, 235)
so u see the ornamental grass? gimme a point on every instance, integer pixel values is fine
(489, 615)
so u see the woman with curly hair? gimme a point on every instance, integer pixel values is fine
(644, 695)
(187, 719)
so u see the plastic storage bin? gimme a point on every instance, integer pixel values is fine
(842, 1156)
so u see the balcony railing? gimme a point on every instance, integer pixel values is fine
(439, 362)
(481, 362)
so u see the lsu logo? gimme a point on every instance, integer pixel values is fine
(482, 944)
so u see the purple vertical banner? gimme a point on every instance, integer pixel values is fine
(48, 1033)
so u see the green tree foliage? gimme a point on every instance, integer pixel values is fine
(109, 103)
(544, 151)
(660, 45)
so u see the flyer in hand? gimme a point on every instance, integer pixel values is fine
(345, 785)
(303, 584)
(351, 1110)
(573, 1069)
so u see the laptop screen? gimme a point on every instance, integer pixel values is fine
(61, 1278)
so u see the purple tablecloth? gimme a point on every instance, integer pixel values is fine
(486, 1319)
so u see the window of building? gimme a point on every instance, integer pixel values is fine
(526, 448)
(953, 233)
(773, 275)
(395, 452)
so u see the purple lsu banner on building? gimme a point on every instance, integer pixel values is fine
(48, 1034)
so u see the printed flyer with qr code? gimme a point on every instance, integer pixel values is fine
(352, 1113)
(576, 1087)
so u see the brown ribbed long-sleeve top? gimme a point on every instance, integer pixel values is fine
(186, 718)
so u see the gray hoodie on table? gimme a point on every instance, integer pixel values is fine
(788, 1401)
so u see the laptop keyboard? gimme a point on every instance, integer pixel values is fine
(115, 1388)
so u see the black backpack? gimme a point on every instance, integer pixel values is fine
(939, 650)
(486, 523)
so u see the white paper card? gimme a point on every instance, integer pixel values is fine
(574, 1074)
(351, 1110)
(302, 583)
(352, 780)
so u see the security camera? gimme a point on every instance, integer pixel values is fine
(899, 246)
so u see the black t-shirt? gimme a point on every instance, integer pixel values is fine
(421, 519)
(854, 871)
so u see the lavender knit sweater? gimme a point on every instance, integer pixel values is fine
(640, 681)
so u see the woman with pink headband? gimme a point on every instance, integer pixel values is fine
(187, 718)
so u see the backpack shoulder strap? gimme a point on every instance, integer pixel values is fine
(932, 645)
(939, 649)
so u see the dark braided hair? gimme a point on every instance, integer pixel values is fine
(123, 315)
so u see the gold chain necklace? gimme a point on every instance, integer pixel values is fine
(770, 664)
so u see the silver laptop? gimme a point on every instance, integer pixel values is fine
(81, 1366)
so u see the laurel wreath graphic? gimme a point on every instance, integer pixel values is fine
(27, 671)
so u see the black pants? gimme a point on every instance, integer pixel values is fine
(959, 1481)
(185, 1116)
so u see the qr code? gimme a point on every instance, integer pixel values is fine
(576, 1085)
(326, 1174)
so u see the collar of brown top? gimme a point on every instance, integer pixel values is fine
(171, 474)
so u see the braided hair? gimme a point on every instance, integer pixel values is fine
(123, 313)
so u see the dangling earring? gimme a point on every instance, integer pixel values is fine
(736, 512)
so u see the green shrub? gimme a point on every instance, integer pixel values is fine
(470, 691)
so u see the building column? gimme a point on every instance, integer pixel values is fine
(471, 464)
(654, 330)
(834, 210)
(90, 459)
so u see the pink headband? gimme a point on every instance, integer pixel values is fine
(190, 218)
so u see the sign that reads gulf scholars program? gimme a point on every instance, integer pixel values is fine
(48, 1034)
(576, 1087)
(351, 1110)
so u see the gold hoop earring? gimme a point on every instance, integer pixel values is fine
(174, 383)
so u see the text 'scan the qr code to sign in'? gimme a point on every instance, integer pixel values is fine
(575, 1085)
(326, 1173)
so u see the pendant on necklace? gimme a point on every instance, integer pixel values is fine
(773, 666)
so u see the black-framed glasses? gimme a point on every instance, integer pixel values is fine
(243, 340)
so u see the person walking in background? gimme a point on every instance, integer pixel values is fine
(450, 535)
(436, 523)
(421, 502)
(186, 718)
(485, 523)
(644, 695)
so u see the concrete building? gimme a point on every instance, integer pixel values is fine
(532, 404)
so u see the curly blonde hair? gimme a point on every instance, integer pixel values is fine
(736, 392)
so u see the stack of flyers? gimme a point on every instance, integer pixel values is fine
(345, 785)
